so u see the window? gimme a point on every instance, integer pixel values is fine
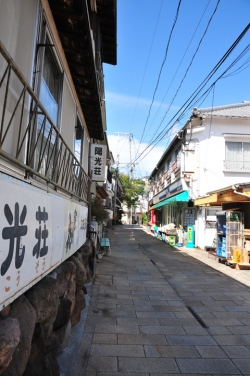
(237, 156)
(78, 147)
(48, 84)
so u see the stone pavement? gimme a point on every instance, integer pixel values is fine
(158, 310)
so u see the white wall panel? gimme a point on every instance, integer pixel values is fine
(38, 230)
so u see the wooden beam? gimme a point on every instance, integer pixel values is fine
(203, 201)
(67, 13)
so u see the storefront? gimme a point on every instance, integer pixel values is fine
(170, 209)
(233, 198)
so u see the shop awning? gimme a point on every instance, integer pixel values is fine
(181, 197)
(217, 199)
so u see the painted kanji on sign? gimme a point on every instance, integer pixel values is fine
(38, 231)
(98, 162)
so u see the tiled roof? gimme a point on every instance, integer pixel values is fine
(240, 110)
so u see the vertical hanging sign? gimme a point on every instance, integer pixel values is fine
(98, 162)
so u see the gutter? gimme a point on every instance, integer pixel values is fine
(239, 193)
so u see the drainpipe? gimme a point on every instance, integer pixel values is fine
(239, 193)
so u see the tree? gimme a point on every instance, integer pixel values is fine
(98, 211)
(132, 190)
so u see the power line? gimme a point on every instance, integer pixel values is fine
(208, 77)
(164, 60)
(147, 63)
(190, 64)
(239, 70)
(180, 63)
(191, 99)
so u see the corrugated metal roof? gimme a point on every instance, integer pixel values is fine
(240, 110)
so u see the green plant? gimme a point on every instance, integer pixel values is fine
(144, 219)
(98, 211)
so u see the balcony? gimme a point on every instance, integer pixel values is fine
(176, 166)
(166, 173)
(29, 140)
(169, 177)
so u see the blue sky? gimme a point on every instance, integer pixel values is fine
(143, 32)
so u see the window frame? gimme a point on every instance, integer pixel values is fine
(241, 164)
(78, 123)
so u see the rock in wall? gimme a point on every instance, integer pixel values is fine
(37, 324)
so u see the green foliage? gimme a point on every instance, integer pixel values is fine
(144, 219)
(98, 211)
(132, 189)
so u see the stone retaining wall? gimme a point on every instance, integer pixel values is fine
(37, 325)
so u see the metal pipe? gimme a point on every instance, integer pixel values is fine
(239, 193)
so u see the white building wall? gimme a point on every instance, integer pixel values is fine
(27, 204)
(209, 156)
(18, 32)
(68, 118)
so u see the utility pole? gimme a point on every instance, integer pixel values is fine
(130, 137)
(116, 183)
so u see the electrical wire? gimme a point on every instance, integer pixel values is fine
(162, 65)
(237, 71)
(190, 64)
(146, 64)
(191, 99)
(210, 125)
(180, 65)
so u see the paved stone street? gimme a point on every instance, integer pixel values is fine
(157, 310)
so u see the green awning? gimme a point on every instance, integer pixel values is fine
(181, 197)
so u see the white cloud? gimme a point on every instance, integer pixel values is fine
(125, 151)
(128, 101)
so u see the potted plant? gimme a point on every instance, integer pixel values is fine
(100, 254)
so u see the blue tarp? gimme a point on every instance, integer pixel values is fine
(183, 196)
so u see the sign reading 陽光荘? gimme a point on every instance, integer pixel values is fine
(98, 162)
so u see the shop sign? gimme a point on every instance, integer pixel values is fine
(169, 191)
(38, 231)
(98, 162)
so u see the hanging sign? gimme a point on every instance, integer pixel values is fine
(98, 162)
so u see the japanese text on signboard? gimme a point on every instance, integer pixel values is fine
(98, 162)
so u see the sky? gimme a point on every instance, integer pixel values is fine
(166, 57)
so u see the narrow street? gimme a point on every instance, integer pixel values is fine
(155, 309)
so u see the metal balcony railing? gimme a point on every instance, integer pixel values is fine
(30, 140)
(176, 165)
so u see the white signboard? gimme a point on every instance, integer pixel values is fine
(98, 162)
(38, 230)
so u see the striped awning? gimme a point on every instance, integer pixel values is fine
(180, 197)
